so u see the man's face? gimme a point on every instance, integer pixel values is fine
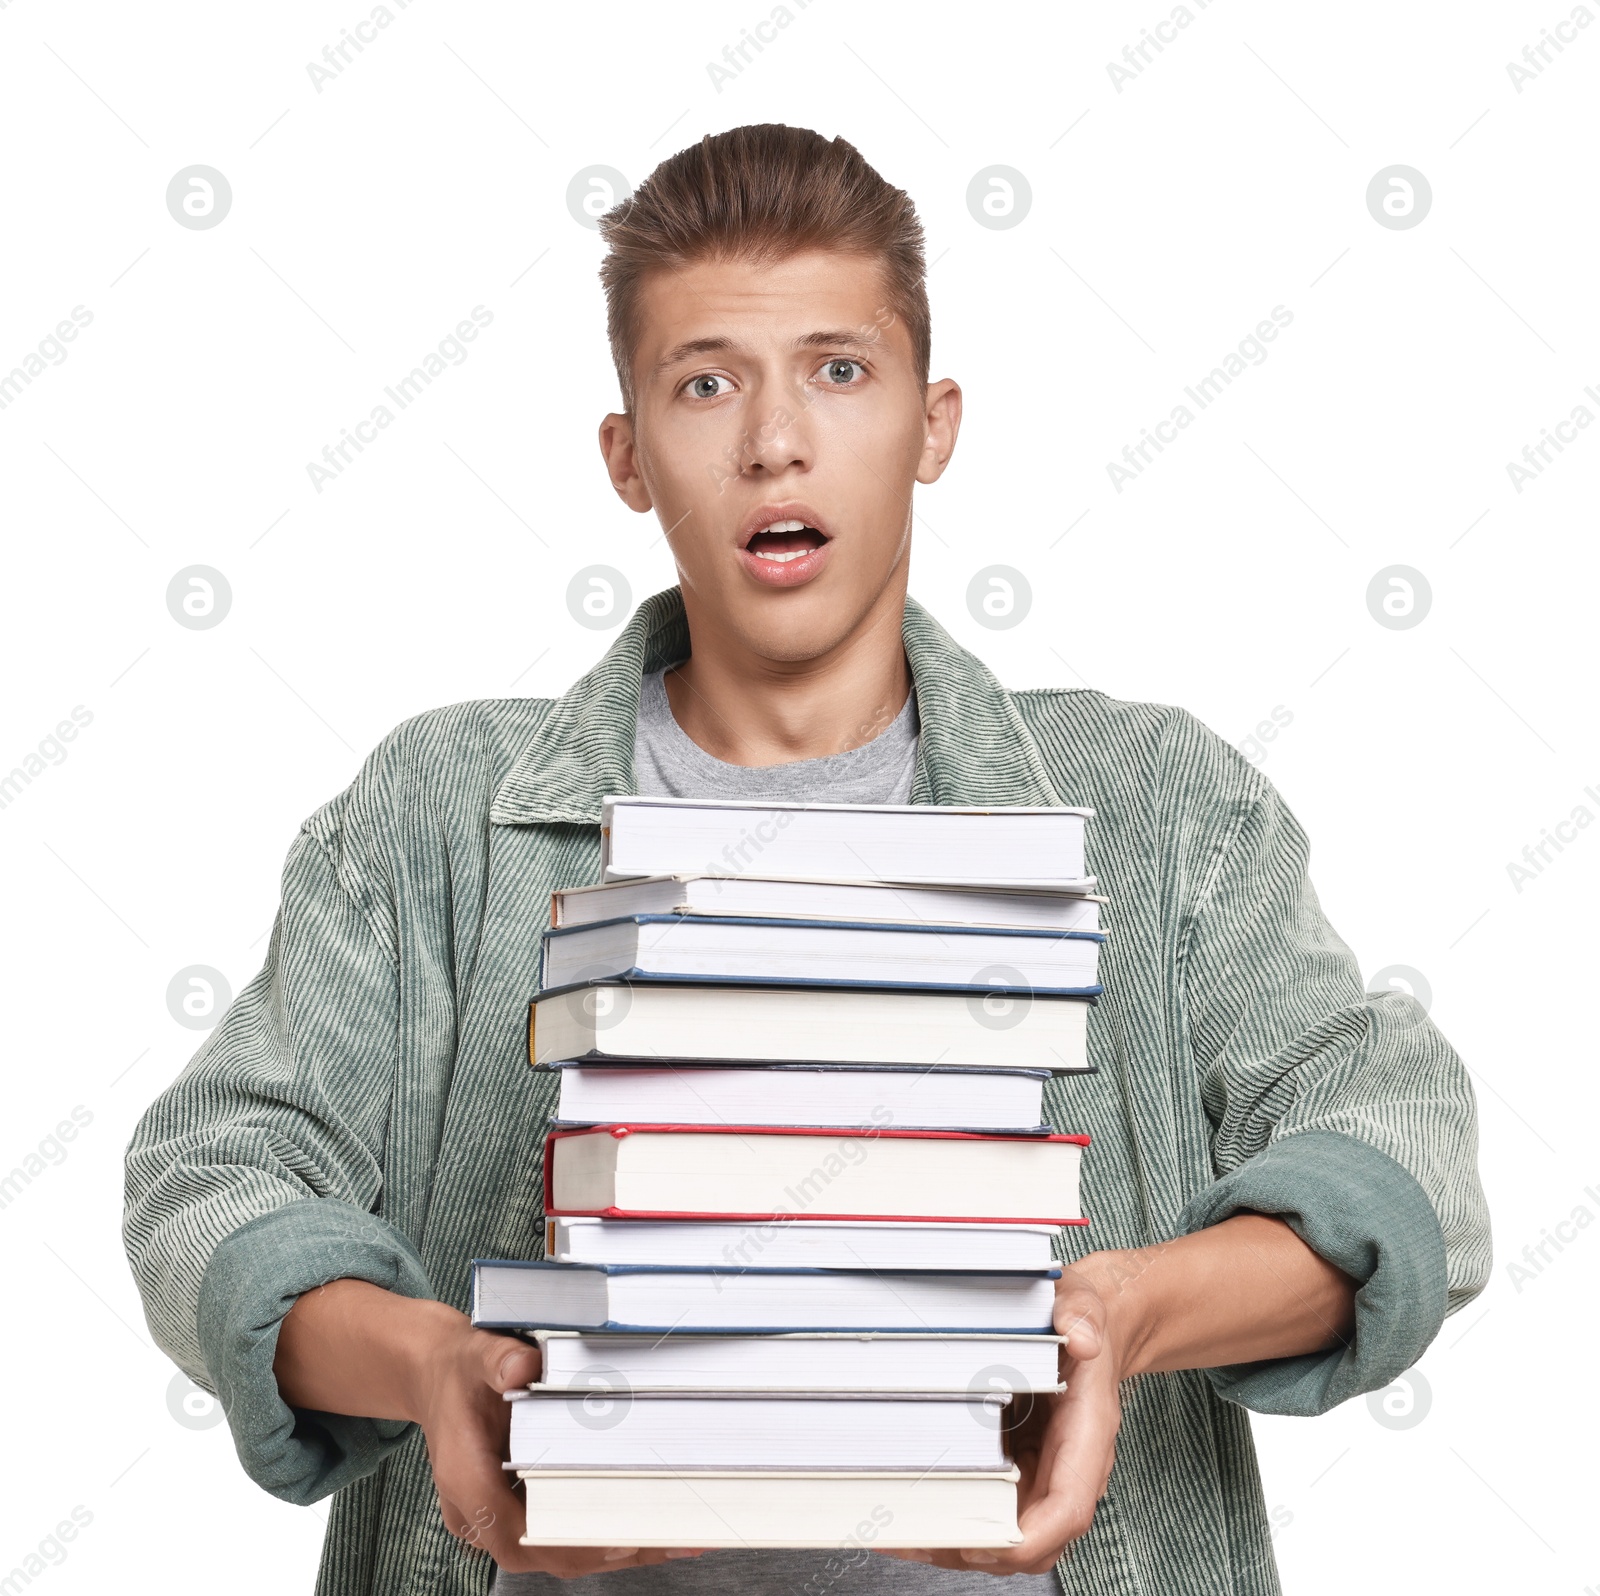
(778, 427)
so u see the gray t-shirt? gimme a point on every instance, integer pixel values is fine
(667, 763)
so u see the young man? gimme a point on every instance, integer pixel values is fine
(1282, 1179)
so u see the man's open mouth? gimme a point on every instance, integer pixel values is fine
(785, 544)
(783, 541)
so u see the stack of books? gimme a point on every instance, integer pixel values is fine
(801, 1205)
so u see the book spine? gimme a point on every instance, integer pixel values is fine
(820, 1132)
(773, 1218)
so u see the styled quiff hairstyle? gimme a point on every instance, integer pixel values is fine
(761, 193)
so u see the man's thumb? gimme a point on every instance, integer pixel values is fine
(511, 1363)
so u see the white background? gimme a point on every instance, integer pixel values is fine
(1168, 217)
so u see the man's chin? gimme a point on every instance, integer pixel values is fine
(807, 623)
(793, 625)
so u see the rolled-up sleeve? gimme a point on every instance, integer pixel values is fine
(258, 1174)
(1344, 1113)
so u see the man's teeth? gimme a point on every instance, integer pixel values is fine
(776, 556)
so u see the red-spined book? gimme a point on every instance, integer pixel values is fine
(766, 1172)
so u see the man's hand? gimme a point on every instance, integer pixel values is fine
(1063, 1445)
(1240, 1291)
(350, 1347)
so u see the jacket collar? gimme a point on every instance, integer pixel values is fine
(973, 748)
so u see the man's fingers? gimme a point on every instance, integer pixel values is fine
(1071, 1445)
(576, 1562)
(483, 1506)
(454, 1520)
(1074, 1464)
(1080, 1316)
(1001, 1560)
(508, 1362)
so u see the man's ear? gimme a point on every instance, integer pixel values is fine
(622, 461)
(943, 416)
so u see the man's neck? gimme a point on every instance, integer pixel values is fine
(747, 710)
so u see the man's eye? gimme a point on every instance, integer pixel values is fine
(704, 387)
(838, 372)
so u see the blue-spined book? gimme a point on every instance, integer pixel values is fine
(668, 1299)
(865, 954)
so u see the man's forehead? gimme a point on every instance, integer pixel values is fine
(783, 301)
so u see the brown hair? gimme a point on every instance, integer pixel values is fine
(761, 193)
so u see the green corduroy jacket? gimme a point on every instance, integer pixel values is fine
(365, 1109)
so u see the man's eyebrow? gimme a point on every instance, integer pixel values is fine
(831, 337)
(824, 338)
(694, 346)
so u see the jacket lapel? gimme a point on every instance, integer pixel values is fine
(584, 747)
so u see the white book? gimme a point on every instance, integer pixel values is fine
(912, 843)
(758, 1172)
(618, 1428)
(801, 1360)
(800, 1243)
(829, 1511)
(652, 1022)
(510, 1294)
(803, 1094)
(816, 952)
(790, 899)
